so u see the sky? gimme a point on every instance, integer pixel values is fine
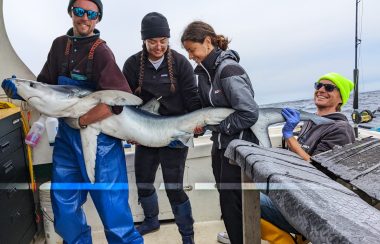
(284, 45)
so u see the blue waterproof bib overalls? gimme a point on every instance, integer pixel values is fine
(110, 172)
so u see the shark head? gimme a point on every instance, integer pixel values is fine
(67, 100)
(48, 99)
(28, 89)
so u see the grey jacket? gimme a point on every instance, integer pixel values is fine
(222, 82)
(315, 139)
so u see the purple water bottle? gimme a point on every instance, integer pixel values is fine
(35, 133)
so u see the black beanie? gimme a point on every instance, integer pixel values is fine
(97, 2)
(154, 25)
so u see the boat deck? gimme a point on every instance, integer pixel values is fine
(205, 233)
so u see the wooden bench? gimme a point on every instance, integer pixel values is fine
(321, 209)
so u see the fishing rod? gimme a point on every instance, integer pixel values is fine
(364, 116)
(356, 118)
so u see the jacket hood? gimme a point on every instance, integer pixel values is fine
(228, 54)
(336, 116)
(212, 61)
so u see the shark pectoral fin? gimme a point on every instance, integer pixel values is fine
(114, 97)
(190, 142)
(185, 138)
(89, 137)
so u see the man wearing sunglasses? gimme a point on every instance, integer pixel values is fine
(332, 91)
(82, 59)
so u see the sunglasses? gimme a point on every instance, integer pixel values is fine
(328, 87)
(91, 15)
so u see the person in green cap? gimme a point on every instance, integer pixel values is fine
(332, 91)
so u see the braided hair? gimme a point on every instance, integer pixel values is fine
(144, 57)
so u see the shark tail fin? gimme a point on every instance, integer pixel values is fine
(262, 135)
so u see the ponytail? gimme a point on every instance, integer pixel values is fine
(197, 31)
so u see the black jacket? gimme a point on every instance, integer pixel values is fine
(231, 88)
(316, 139)
(156, 83)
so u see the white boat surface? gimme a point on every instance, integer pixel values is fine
(200, 187)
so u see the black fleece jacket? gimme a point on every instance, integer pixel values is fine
(156, 83)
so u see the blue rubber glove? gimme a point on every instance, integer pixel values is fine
(292, 118)
(66, 81)
(176, 144)
(10, 89)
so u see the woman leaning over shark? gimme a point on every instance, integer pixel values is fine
(222, 82)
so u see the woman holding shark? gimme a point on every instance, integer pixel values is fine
(158, 72)
(80, 58)
(223, 83)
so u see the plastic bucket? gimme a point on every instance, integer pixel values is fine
(48, 216)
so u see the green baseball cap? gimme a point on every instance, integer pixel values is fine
(345, 85)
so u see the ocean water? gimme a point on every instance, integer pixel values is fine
(367, 101)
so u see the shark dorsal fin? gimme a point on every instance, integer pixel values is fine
(115, 98)
(151, 106)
